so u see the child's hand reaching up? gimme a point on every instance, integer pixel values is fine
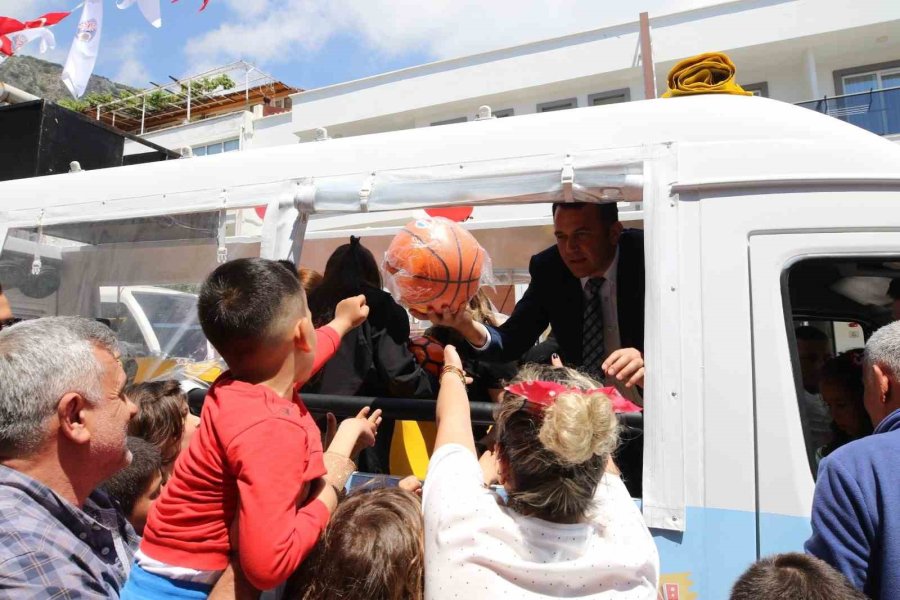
(355, 434)
(349, 314)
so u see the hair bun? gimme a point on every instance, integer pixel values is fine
(578, 427)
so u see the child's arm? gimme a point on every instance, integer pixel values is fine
(274, 536)
(349, 314)
(452, 416)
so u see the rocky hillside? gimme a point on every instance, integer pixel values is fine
(42, 79)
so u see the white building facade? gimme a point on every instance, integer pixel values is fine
(798, 51)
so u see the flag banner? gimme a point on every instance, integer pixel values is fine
(83, 53)
(8, 25)
(205, 2)
(11, 44)
(149, 8)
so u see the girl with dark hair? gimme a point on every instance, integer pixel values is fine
(373, 359)
(841, 386)
(569, 527)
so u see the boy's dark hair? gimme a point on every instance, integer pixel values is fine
(245, 301)
(793, 576)
(608, 211)
(130, 483)
(162, 407)
(893, 289)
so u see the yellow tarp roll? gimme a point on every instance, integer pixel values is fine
(411, 447)
(710, 73)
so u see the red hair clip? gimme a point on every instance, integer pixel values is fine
(545, 393)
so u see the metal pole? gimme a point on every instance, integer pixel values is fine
(647, 58)
(189, 102)
(143, 113)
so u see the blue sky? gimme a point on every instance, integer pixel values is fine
(313, 43)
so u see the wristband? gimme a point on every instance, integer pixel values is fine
(455, 370)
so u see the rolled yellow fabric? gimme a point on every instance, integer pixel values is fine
(710, 73)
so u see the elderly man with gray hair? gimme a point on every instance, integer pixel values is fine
(63, 421)
(856, 508)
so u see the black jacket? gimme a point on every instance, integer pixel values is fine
(555, 297)
(373, 359)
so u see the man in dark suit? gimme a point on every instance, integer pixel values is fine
(589, 288)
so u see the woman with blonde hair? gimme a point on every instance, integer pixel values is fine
(568, 528)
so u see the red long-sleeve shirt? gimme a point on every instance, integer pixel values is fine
(255, 450)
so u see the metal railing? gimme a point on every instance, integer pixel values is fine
(877, 111)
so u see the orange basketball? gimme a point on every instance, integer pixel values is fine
(429, 353)
(434, 263)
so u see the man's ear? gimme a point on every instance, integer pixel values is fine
(71, 415)
(301, 340)
(883, 381)
(615, 232)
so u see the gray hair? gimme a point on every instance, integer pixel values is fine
(883, 349)
(40, 361)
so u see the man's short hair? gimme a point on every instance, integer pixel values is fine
(129, 484)
(245, 302)
(808, 333)
(608, 211)
(791, 576)
(41, 360)
(883, 349)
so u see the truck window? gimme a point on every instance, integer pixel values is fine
(834, 305)
(173, 317)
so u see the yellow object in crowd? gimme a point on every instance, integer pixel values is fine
(411, 448)
(710, 73)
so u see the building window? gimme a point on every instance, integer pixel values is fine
(610, 97)
(557, 105)
(866, 78)
(450, 121)
(217, 148)
(506, 112)
(758, 89)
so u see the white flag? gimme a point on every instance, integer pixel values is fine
(149, 8)
(83, 54)
(12, 43)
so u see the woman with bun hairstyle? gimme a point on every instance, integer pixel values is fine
(373, 359)
(568, 528)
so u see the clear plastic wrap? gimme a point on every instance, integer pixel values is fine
(434, 263)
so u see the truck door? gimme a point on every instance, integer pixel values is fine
(832, 284)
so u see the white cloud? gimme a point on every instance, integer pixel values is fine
(125, 53)
(275, 32)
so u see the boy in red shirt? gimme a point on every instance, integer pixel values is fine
(256, 459)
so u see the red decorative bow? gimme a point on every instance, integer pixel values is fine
(545, 393)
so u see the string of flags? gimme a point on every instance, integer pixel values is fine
(15, 34)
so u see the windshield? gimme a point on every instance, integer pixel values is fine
(173, 318)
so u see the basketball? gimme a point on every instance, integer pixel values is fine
(433, 263)
(429, 353)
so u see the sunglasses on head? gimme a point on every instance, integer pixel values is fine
(4, 323)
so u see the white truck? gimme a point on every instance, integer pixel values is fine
(759, 216)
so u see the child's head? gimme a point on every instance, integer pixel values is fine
(163, 418)
(793, 575)
(372, 548)
(136, 486)
(253, 311)
(552, 458)
(841, 387)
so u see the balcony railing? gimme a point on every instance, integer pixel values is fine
(877, 111)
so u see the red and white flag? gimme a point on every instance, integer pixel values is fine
(205, 2)
(8, 25)
(149, 8)
(12, 43)
(83, 54)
